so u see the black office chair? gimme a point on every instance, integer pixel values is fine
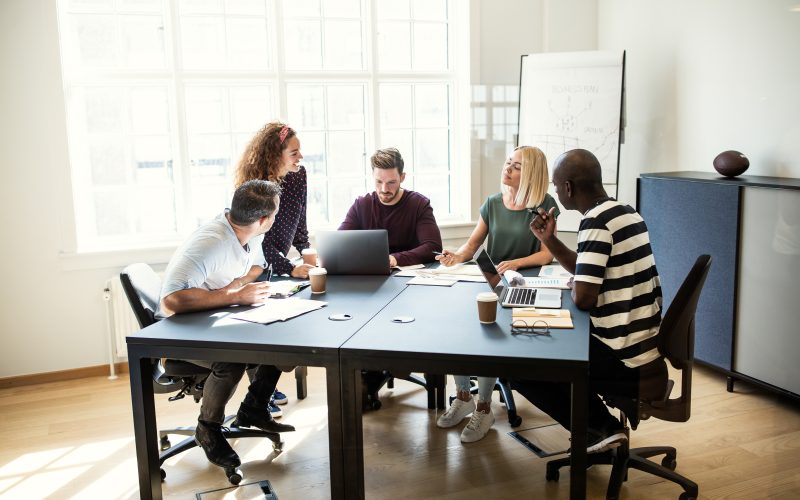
(373, 381)
(675, 343)
(142, 288)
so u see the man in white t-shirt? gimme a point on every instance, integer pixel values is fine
(214, 268)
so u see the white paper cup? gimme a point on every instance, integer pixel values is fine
(318, 277)
(487, 307)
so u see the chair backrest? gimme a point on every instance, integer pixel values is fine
(142, 287)
(676, 342)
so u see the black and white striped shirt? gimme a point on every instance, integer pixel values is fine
(614, 252)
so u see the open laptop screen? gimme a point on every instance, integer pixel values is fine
(489, 270)
(363, 251)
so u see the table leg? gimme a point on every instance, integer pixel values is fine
(144, 425)
(301, 376)
(335, 433)
(577, 469)
(352, 430)
(435, 385)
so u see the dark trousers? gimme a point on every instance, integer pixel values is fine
(607, 376)
(221, 384)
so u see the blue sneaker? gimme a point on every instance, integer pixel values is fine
(279, 398)
(274, 410)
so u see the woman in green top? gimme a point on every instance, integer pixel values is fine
(505, 220)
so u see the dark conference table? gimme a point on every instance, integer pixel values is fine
(444, 338)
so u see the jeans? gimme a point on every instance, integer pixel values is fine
(222, 382)
(485, 386)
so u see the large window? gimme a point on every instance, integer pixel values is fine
(163, 95)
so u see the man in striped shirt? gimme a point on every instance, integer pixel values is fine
(617, 282)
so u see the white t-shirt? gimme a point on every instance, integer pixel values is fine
(211, 258)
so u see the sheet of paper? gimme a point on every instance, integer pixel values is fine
(279, 310)
(432, 281)
(554, 271)
(283, 287)
(459, 269)
(408, 268)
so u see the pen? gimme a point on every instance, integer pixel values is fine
(269, 272)
(437, 253)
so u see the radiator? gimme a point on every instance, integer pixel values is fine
(119, 318)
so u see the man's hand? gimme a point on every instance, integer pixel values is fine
(301, 270)
(392, 261)
(252, 293)
(543, 226)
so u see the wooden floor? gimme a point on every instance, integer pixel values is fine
(75, 440)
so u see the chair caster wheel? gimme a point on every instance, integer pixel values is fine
(371, 403)
(163, 475)
(277, 447)
(165, 444)
(669, 462)
(687, 496)
(514, 421)
(551, 474)
(234, 475)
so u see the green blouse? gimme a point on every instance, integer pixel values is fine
(510, 236)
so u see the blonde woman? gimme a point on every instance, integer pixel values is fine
(505, 220)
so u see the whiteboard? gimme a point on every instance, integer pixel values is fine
(572, 100)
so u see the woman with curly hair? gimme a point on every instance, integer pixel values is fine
(273, 154)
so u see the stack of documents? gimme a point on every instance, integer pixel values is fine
(279, 310)
(532, 317)
(459, 272)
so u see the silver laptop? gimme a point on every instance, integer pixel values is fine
(516, 296)
(354, 252)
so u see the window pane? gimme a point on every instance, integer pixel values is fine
(209, 155)
(251, 108)
(201, 7)
(94, 41)
(154, 210)
(317, 209)
(301, 8)
(434, 10)
(394, 46)
(437, 189)
(142, 41)
(343, 49)
(90, 5)
(149, 111)
(342, 193)
(107, 160)
(251, 7)
(208, 200)
(341, 8)
(432, 150)
(104, 109)
(431, 105)
(303, 45)
(206, 110)
(306, 107)
(395, 106)
(203, 42)
(312, 145)
(152, 160)
(247, 44)
(346, 153)
(111, 213)
(346, 107)
(430, 46)
(394, 9)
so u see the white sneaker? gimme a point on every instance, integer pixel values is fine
(477, 427)
(456, 413)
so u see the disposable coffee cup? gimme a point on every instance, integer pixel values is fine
(318, 278)
(309, 256)
(487, 307)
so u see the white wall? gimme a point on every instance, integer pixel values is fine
(700, 80)
(704, 77)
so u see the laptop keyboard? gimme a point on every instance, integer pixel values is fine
(522, 296)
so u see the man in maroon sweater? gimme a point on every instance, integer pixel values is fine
(406, 215)
(413, 234)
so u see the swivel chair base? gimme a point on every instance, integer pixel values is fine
(233, 432)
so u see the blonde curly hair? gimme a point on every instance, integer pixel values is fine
(262, 156)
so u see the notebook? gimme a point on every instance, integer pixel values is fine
(354, 252)
(517, 296)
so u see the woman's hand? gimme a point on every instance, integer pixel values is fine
(506, 265)
(301, 271)
(449, 258)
